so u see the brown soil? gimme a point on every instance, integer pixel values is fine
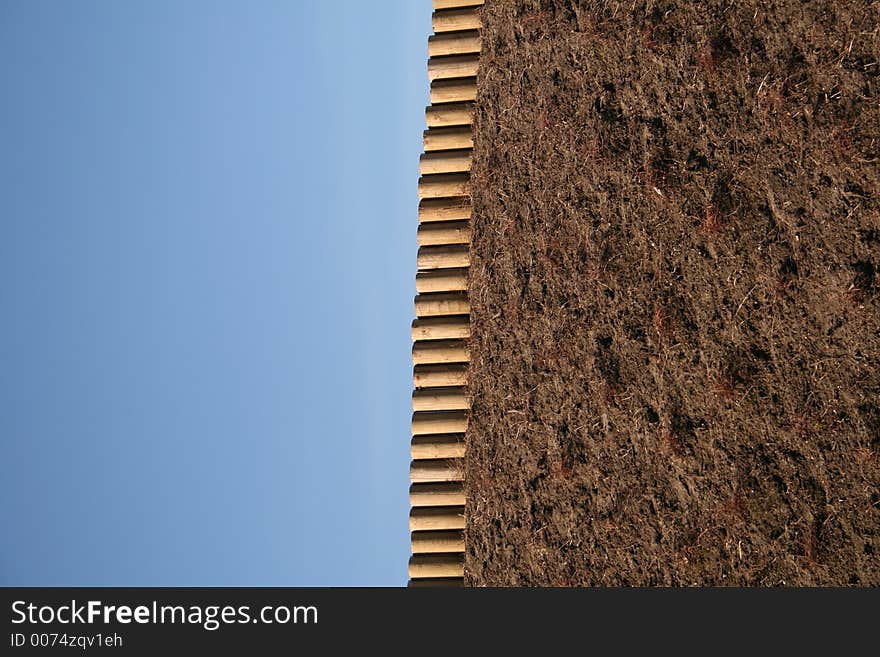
(675, 294)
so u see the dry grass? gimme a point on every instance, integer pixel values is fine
(674, 294)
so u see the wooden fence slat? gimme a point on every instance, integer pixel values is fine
(448, 115)
(440, 517)
(444, 233)
(453, 4)
(452, 66)
(436, 565)
(442, 280)
(437, 541)
(435, 352)
(454, 43)
(444, 209)
(452, 20)
(443, 185)
(441, 328)
(437, 446)
(425, 422)
(458, 161)
(440, 399)
(451, 256)
(453, 91)
(443, 257)
(441, 139)
(440, 375)
(435, 305)
(441, 494)
(436, 582)
(425, 471)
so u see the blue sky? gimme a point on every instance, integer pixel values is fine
(207, 261)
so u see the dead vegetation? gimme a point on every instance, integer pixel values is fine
(674, 294)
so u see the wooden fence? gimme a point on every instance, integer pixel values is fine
(442, 326)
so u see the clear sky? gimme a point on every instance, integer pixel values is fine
(207, 261)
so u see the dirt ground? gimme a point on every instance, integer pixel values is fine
(675, 295)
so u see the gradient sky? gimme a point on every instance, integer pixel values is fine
(207, 261)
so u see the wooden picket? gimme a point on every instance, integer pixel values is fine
(442, 325)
